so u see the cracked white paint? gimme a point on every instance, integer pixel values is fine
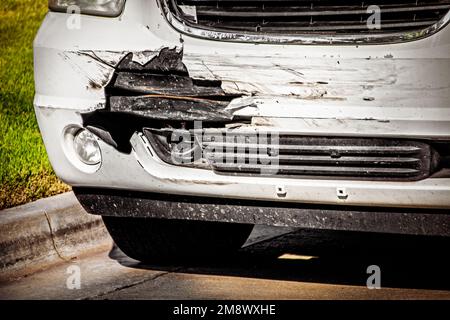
(144, 57)
(111, 58)
(288, 86)
(96, 73)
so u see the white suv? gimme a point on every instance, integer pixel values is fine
(185, 122)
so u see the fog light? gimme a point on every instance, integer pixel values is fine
(87, 148)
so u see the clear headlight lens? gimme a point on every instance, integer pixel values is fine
(107, 8)
(87, 148)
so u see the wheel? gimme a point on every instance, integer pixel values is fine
(164, 240)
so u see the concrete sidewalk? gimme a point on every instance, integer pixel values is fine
(46, 232)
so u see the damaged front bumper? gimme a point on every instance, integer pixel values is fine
(134, 72)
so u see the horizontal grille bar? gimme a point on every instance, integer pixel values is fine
(303, 12)
(317, 170)
(316, 149)
(296, 159)
(299, 26)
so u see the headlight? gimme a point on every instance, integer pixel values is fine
(107, 8)
(87, 148)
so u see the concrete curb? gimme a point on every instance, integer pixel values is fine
(46, 232)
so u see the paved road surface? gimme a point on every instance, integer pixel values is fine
(288, 264)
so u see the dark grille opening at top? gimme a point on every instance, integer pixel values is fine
(329, 17)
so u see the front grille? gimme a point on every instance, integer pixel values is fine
(296, 156)
(302, 17)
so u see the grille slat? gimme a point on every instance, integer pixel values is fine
(295, 159)
(317, 170)
(304, 12)
(294, 26)
(315, 149)
(306, 17)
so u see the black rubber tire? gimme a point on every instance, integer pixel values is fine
(164, 240)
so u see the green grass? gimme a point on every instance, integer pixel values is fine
(25, 171)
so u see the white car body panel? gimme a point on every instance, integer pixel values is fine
(392, 90)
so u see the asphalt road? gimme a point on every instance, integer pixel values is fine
(275, 264)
